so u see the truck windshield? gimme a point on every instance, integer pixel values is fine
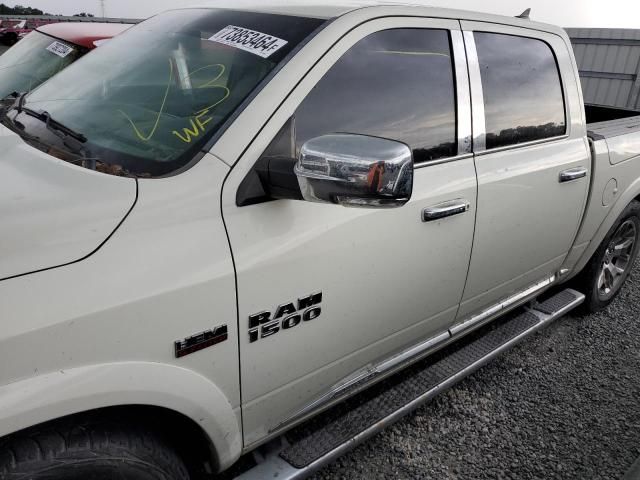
(149, 100)
(33, 61)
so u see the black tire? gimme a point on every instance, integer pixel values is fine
(589, 280)
(10, 39)
(89, 450)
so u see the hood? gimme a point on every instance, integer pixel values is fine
(53, 213)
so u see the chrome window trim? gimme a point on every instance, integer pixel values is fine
(477, 99)
(440, 161)
(477, 94)
(463, 94)
(532, 143)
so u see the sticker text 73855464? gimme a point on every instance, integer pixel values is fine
(60, 49)
(258, 43)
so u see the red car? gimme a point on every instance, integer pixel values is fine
(49, 49)
(13, 30)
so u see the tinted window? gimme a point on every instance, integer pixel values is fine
(523, 98)
(395, 84)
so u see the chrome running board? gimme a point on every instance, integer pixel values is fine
(371, 374)
(330, 435)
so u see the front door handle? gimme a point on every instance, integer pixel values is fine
(573, 174)
(446, 209)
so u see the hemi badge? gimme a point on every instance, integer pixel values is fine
(201, 341)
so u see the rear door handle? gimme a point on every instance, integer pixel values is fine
(573, 174)
(446, 209)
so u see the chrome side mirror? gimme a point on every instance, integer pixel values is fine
(355, 171)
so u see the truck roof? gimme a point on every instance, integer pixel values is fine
(328, 9)
(83, 33)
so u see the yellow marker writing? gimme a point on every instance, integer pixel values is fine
(198, 124)
(189, 134)
(142, 136)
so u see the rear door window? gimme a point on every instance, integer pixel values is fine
(523, 97)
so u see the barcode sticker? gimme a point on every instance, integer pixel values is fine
(258, 43)
(60, 49)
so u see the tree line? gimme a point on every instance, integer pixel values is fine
(20, 10)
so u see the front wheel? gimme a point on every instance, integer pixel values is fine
(93, 450)
(610, 266)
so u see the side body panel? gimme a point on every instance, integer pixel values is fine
(527, 220)
(613, 188)
(388, 280)
(165, 275)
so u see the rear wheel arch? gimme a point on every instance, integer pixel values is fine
(626, 198)
(587, 278)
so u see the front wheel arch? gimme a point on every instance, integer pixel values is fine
(181, 433)
(48, 397)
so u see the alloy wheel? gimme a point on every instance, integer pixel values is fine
(617, 260)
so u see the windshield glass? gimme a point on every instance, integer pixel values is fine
(149, 100)
(33, 61)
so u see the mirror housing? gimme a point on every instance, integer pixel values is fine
(355, 171)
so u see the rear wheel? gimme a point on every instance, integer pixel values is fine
(91, 450)
(612, 263)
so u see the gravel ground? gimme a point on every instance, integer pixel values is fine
(565, 404)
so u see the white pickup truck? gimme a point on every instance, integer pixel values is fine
(181, 283)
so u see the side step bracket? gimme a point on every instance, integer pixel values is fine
(323, 439)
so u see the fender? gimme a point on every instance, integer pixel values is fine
(631, 193)
(47, 397)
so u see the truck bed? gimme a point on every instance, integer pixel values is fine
(608, 122)
(620, 129)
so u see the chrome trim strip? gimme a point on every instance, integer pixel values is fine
(522, 145)
(463, 93)
(477, 95)
(371, 373)
(411, 353)
(440, 161)
(501, 306)
(325, 398)
(367, 375)
(275, 467)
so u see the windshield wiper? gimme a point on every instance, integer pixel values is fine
(52, 125)
(71, 139)
(9, 102)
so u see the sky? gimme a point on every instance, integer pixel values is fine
(566, 13)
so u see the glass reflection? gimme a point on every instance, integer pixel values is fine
(522, 91)
(396, 84)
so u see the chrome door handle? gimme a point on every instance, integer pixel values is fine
(446, 209)
(573, 174)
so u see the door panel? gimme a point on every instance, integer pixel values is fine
(527, 219)
(388, 280)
